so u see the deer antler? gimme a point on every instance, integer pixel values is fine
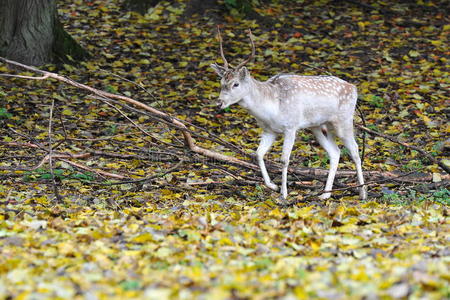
(225, 62)
(251, 55)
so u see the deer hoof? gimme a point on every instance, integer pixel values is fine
(272, 186)
(325, 196)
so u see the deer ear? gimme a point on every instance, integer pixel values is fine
(243, 73)
(219, 69)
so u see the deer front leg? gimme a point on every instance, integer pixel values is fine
(289, 140)
(267, 139)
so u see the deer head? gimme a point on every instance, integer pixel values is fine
(234, 80)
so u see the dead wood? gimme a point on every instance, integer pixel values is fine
(189, 142)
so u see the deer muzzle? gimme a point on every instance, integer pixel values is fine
(221, 103)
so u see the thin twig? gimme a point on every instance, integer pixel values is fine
(393, 139)
(149, 178)
(132, 82)
(35, 142)
(45, 76)
(50, 153)
(19, 144)
(317, 68)
(106, 101)
(66, 136)
(18, 211)
(98, 172)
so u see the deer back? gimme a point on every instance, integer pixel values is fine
(304, 101)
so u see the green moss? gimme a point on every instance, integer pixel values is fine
(65, 48)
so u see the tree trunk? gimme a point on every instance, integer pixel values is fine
(30, 33)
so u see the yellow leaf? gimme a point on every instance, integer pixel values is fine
(277, 213)
(67, 112)
(117, 64)
(90, 66)
(361, 25)
(157, 293)
(23, 296)
(436, 43)
(143, 238)
(305, 212)
(163, 252)
(144, 61)
(437, 177)
(446, 162)
(413, 53)
(314, 245)
(66, 248)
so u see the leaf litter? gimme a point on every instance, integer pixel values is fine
(190, 235)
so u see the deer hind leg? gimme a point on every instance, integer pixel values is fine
(267, 139)
(328, 143)
(348, 138)
(289, 140)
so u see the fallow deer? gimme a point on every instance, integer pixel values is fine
(285, 103)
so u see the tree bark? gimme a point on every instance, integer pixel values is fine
(30, 33)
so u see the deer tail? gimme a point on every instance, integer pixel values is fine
(363, 152)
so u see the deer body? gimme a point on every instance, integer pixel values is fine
(285, 103)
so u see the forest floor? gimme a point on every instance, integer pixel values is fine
(204, 229)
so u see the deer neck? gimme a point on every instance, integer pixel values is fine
(261, 100)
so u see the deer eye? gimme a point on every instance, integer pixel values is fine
(236, 84)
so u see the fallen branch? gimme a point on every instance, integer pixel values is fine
(189, 142)
(307, 173)
(44, 160)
